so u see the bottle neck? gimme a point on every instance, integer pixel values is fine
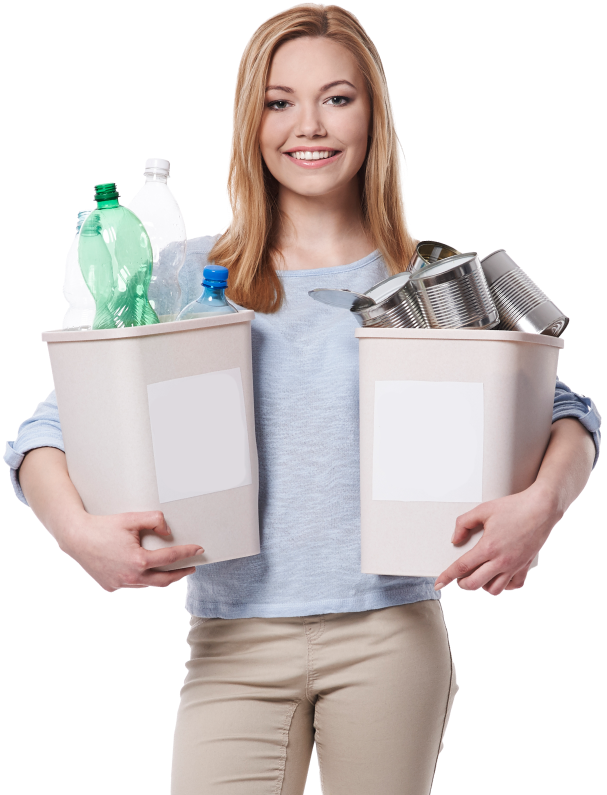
(102, 205)
(150, 177)
(215, 293)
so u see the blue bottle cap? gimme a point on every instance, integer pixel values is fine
(215, 276)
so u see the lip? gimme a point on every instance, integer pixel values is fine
(312, 163)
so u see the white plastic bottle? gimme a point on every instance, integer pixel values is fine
(81, 312)
(155, 206)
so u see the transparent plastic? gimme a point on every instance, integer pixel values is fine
(212, 300)
(115, 257)
(81, 311)
(155, 206)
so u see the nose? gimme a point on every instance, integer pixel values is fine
(309, 122)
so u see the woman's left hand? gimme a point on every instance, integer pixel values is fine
(515, 529)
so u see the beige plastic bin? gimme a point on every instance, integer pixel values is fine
(161, 418)
(448, 419)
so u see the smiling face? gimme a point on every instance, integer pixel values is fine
(315, 125)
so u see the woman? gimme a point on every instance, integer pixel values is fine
(295, 645)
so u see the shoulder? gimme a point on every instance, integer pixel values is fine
(200, 246)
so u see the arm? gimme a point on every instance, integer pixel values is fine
(516, 527)
(107, 547)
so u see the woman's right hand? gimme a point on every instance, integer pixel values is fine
(109, 549)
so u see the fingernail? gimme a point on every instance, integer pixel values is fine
(439, 585)
(453, 538)
(200, 551)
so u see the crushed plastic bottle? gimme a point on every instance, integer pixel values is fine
(115, 257)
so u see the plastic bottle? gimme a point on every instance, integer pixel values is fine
(115, 257)
(156, 207)
(212, 300)
(81, 310)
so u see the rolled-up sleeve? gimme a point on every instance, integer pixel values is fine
(42, 429)
(568, 403)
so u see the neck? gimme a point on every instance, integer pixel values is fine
(321, 231)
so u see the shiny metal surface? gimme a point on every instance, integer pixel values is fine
(428, 252)
(399, 309)
(344, 299)
(454, 293)
(521, 304)
(383, 290)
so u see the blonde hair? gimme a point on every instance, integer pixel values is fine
(247, 248)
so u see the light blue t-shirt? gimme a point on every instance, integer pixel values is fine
(305, 372)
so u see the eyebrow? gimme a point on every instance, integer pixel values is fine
(288, 90)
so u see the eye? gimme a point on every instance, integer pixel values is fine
(278, 104)
(338, 102)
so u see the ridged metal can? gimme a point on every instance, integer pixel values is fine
(522, 306)
(454, 293)
(429, 252)
(398, 310)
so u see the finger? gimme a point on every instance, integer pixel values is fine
(468, 523)
(161, 579)
(498, 584)
(518, 580)
(164, 557)
(480, 576)
(463, 566)
(146, 520)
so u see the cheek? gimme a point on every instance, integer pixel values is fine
(272, 133)
(355, 132)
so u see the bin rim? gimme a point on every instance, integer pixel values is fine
(62, 335)
(458, 334)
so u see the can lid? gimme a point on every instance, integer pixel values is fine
(445, 270)
(344, 299)
(382, 290)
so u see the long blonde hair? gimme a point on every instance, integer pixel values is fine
(247, 248)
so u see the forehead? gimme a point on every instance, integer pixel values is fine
(312, 62)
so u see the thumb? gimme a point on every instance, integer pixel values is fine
(468, 523)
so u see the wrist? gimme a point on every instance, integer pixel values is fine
(69, 527)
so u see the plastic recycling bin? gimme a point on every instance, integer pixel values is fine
(448, 419)
(161, 417)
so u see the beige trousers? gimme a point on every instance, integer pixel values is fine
(372, 689)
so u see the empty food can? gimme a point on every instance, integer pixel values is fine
(522, 306)
(454, 293)
(429, 252)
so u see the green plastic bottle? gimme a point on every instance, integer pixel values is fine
(116, 260)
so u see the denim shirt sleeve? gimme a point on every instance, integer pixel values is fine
(569, 404)
(42, 429)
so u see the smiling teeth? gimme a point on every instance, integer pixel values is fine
(312, 155)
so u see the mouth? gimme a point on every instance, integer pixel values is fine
(312, 157)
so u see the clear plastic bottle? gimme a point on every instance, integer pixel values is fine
(212, 300)
(81, 311)
(155, 206)
(115, 257)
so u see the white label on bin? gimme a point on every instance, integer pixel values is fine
(428, 441)
(199, 434)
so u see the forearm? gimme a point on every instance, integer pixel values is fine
(566, 465)
(49, 491)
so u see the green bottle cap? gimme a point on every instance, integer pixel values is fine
(106, 192)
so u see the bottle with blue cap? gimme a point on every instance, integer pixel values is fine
(212, 301)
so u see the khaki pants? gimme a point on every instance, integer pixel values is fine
(373, 689)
